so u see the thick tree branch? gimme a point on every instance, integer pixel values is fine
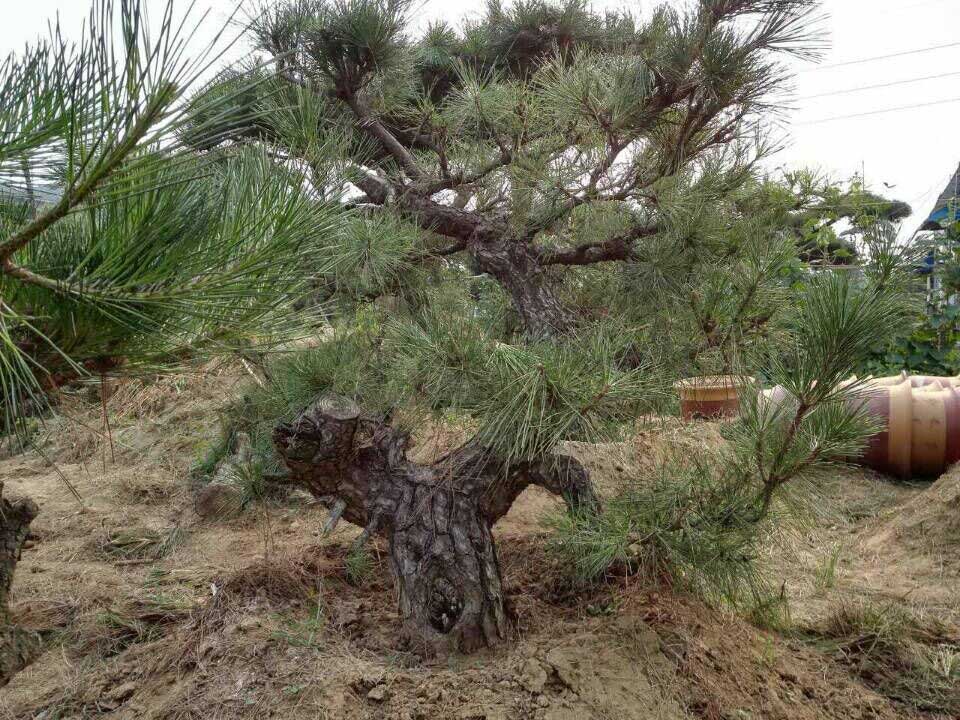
(445, 219)
(617, 248)
(370, 124)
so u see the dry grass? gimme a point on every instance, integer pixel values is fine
(274, 581)
(907, 657)
(258, 615)
(108, 632)
(138, 544)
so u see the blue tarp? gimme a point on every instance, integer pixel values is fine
(938, 216)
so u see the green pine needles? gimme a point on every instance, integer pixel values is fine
(121, 247)
(700, 517)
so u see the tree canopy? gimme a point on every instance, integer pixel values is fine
(543, 139)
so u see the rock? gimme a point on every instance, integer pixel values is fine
(218, 500)
(543, 701)
(247, 624)
(533, 676)
(378, 693)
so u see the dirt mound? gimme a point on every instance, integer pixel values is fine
(293, 637)
(912, 551)
(172, 616)
(929, 521)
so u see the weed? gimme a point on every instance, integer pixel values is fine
(770, 611)
(140, 543)
(303, 633)
(139, 621)
(603, 609)
(768, 654)
(945, 661)
(359, 565)
(825, 576)
(205, 465)
(900, 656)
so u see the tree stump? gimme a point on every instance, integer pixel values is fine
(437, 518)
(18, 647)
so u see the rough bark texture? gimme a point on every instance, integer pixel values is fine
(437, 518)
(517, 270)
(18, 647)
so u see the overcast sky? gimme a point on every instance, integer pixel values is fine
(915, 150)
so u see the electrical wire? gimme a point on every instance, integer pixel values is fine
(878, 112)
(881, 85)
(861, 61)
(907, 8)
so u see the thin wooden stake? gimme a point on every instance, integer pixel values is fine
(106, 422)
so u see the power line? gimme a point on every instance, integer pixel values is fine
(882, 85)
(882, 57)
(923, 3)
(879, 112)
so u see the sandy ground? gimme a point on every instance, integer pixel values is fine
(257, 616)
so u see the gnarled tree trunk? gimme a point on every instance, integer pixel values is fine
(437, 518)
(18, 647)
(515, 268)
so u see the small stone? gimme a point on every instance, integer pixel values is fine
(378, 693)
(543, 701)
(247, 624)
(533, 677)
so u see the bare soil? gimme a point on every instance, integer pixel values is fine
(150, 612)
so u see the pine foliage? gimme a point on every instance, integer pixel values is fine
(701, 517)
(121, 246)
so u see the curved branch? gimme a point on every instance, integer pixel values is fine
(370, 124)
(617, 248)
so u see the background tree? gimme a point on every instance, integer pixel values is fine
(524, 187)
(929, 345)
(145, 254)
(501, 137)
(830, 219)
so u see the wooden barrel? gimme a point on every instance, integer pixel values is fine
(711, 397)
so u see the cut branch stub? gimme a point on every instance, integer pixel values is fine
(437, 518)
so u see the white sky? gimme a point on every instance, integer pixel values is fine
(914, 150)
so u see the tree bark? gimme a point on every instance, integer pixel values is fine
(437, 518)
(517, 270)
(18, 647)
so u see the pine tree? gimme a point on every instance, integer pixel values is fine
(548, 204)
